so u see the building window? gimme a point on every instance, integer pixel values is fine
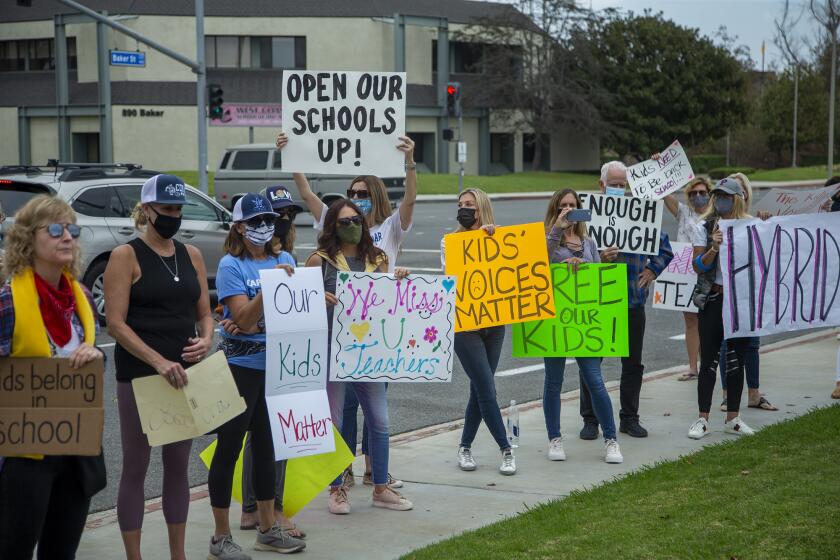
(33, 55)
(228, 51)
(464, 58)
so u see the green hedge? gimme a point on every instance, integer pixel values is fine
(721, 172)
(702, 163)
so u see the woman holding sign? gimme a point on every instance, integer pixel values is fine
(45, 312)
(156, 289)
(388, 230)
(569, 243)
(346, 245)
(688, 216)
(479, 350)
(249, 247)
(728, 204)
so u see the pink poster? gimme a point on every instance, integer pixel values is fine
(249, 114)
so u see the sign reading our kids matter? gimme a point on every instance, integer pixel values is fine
(385, 329)
(344, 123)
(502, 278)
(591, 315)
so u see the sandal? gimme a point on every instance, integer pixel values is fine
(723, 407)
(763, 404)
(289, 526)
(688, 376)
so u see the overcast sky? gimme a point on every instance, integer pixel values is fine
(750, 20)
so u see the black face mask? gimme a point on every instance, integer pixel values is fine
(281, 228)
(166, 226)
(466, 217)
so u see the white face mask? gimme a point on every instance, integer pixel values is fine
(259, 235)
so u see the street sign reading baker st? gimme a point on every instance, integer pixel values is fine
(128, 58)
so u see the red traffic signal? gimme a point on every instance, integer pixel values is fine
(451, 89)
(453, 99)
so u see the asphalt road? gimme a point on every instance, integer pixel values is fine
(415, 406)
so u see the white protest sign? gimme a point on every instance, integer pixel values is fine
(293, 302)
(632, 224)
(301, 424)
(657, 178)
(344, 123)
(295, 362)
(780, 275)
(675, 285)
(786, 202)
(386, 329)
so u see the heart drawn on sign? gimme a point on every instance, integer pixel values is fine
(448, 284)
(344, 276)
(360, 330)
(412, 342)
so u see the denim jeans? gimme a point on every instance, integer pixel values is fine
(349, 425)
(750, 363)
(590, 374)
(478, 351)
(374, 404)
(249, 499)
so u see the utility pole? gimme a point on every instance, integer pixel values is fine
(795, 111)
(831, 101)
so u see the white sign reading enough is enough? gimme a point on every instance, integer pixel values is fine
(344, 123)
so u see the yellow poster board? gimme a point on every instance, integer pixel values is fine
(503, 278)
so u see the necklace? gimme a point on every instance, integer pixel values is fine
(169, 270)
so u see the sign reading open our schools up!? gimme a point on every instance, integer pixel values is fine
(502, 278)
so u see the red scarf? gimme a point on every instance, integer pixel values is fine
(57, 308)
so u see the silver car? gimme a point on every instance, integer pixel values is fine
(103, 198)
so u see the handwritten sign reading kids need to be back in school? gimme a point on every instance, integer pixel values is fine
(657, 178)
(345, 123)
(385, 329)
(591, 315)
(47, 407)
(501, 278)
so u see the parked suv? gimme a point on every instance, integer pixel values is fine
(253, 167)
(103, 197)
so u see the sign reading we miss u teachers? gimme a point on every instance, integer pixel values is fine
(502, 278)
(344, 123)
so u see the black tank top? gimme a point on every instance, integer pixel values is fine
(160, 310)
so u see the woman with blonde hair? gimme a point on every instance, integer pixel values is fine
(688, 216)
(727, 203)
(479, 350)
(46, 313)
(569, 243)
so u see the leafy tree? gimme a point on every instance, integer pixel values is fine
(776, 114)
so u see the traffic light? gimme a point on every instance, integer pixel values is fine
(215, 101)
(448, 134)
(453, 99)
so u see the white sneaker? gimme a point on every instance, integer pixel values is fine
(555, 450)
(508, 466)
(738, 427)
(613, 452)
(465, 459)
(699, 429)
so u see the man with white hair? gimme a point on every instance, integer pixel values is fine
(642, 271)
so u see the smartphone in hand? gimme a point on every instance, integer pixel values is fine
(579, 215)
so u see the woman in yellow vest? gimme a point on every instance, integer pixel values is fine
(45, 312)
(345, 244)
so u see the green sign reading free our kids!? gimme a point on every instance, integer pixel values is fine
(591, 316)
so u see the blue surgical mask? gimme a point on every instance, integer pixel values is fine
(364, 204)
(614, 191)
(723, 206)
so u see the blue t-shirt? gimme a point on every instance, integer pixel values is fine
(242, 277)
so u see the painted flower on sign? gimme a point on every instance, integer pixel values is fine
(431, 334)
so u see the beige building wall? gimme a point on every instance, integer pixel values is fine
(470, 136)
(9, 153)
(574, 151)
(43, 134)
(421, 124)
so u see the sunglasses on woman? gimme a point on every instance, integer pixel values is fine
(57, 230)
(260, 221)
(286, 214)
(357, 194)
(345, 222)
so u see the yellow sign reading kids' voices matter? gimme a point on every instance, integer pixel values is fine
(502, 278)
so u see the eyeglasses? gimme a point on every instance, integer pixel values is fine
(357, 194)
(286, 214)
(345, 222)
(57, 230)
(260, 221)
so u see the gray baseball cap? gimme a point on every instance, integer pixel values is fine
(729, 186)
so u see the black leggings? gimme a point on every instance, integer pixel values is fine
(251, 385)
(711, 336)
(41, 502)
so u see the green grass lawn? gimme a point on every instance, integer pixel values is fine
(774, 495)
(794, 173)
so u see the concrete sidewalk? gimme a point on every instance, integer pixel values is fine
(796, 375)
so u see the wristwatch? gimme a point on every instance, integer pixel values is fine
(412, 165)
(261, 325)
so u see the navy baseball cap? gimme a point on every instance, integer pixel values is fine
(250, 205)
(165, 189)
(280, 197)
(729, 186)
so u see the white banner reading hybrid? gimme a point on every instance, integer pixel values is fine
(301, 424)
(344, 123)
(632, 224)
(786, 202)
(386, 329)
(674, 286)
(780, 275)
(657, 178)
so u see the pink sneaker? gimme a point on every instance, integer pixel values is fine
(339, 502)
(391, 499)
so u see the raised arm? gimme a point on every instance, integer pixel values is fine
(410, 197)
(315, 205)
(672, 204)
